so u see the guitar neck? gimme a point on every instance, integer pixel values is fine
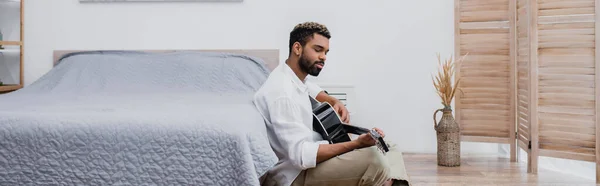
(355, 129)
(360, 130)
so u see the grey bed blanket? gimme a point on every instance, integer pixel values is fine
(129, 118)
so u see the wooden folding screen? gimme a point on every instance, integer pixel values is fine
(560, 84)
(485, 107)
(557, 77)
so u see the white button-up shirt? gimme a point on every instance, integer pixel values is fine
(284, 103)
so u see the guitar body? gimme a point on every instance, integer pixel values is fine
(327, 122)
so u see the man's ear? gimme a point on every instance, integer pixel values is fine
(297, 49)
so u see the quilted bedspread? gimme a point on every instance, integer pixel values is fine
(128, 118)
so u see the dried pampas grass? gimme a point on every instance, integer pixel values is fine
(443, 82)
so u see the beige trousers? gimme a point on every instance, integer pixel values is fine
(366, 166)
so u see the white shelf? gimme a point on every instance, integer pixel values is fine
(10, 50)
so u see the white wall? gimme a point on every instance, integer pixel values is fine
(10, 28)
(388, 45)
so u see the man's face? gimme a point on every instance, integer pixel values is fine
(313, 56)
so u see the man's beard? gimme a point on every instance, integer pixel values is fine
(311, 69)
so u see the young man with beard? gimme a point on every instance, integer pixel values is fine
(304, 157)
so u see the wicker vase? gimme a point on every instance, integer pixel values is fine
(448, 138)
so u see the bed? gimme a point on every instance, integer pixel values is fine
(139, 118)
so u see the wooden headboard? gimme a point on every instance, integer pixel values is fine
(270, 56)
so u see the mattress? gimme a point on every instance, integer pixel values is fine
(132, 118)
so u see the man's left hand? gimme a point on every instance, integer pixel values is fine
(341, 109)
(338, 106)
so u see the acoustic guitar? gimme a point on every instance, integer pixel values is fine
(327, 122)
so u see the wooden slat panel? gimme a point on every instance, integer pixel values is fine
(484, 8)
(566, 148)
(522, 115)
(567, 52)
(483, 38)
(567, 70)
(534, 21)
(487, 82)
(567, 31)
(580, 18)
(565, 110)
(486, 58)
(483, 95)
(566, 79)
(522, 145)
(523, 79)
(476, 101)
(568, 103)
(571, 119)
(566, 37)
(487, 133)
(575, 25)
(569, 142)
(499, 90)
(578, 77)
(468, 117)
(485, 125)
(485, 73)
(486, 106)
(567, 83)
(483, 66)
(484, 25)
(597, 90)
(485, 139)
(568, 127)
(567, 155)
(562, 4)
(566, 11)
(524, 131)
(483, 31)
(486, 129)
(576, 97)
(562, 135)
(483, 106)
(490, 15)
(469, 3)
(522, 139)
(477, 112)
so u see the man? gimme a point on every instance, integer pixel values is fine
(304, 157)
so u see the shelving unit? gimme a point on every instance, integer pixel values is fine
(10, 50)
(11, 46)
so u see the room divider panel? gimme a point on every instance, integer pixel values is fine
(526, 89)
(485, 109)
(549, 48)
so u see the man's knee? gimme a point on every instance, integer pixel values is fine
(378, 157)
(381, 162)
(379, 168)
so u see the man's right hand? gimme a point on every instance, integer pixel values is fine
(327, 151)
(365, 140)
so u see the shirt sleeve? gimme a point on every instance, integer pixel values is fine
(293, 135)
(313, 89)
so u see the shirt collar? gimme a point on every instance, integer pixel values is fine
(299, 83)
